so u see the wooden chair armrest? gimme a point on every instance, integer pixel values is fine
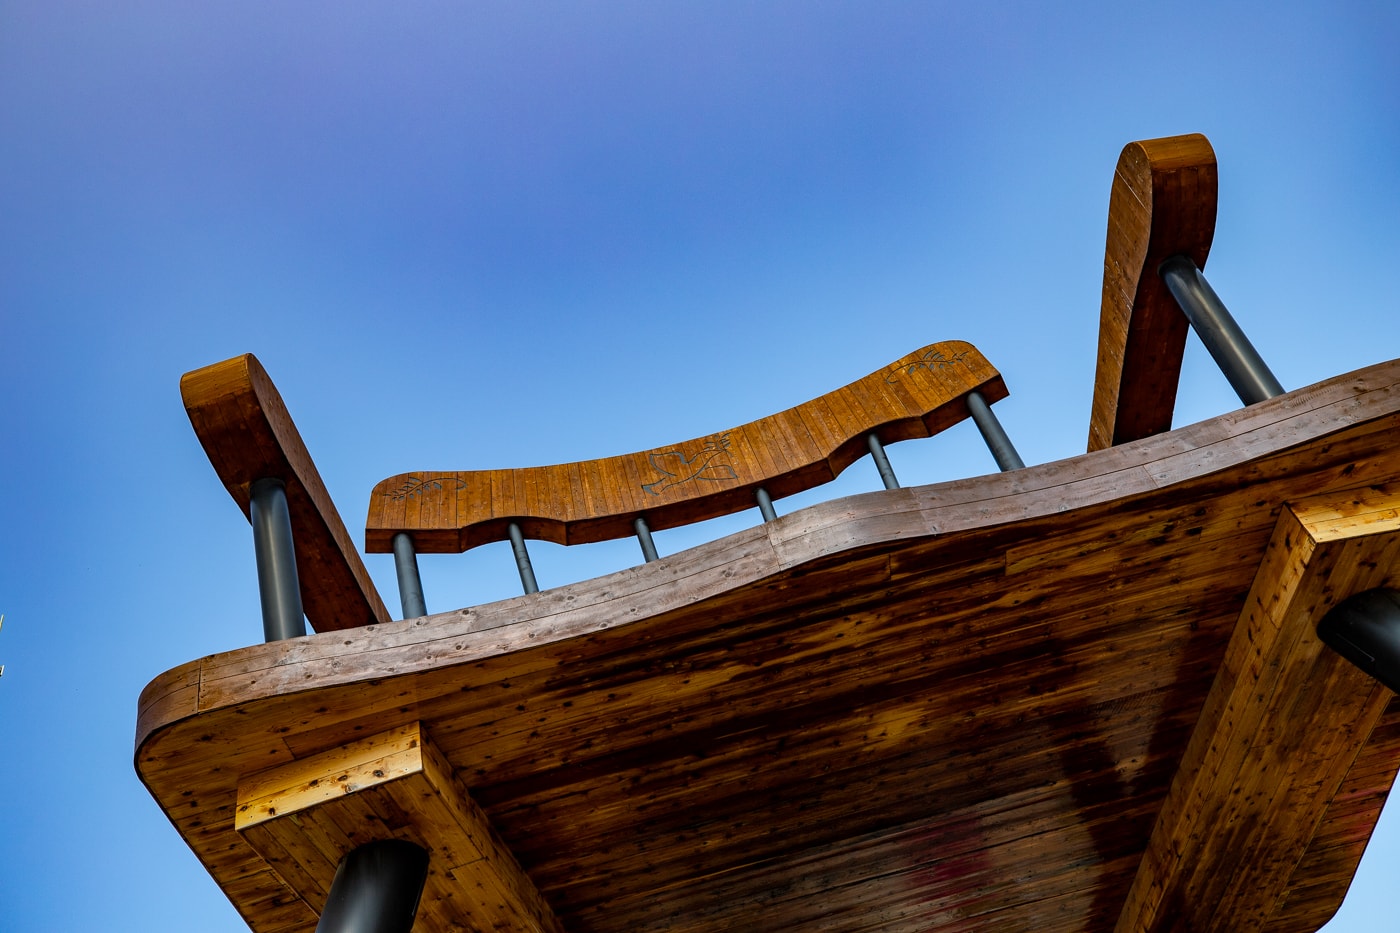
(595, 500)
(248, 435)
(1162, 205)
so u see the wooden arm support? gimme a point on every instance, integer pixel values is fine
(574, 503)
(245, 430)
(1285, 723)
(1162, 205)
(304, 816)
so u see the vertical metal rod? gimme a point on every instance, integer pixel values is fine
(1249, 376)
(882, 463)
(278, 587)
(522, 559)
(992, 432)
(765, 505)
(644, 538)
(410, 584)
(376, 889)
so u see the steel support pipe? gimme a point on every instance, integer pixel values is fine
(278, 586)
(882, 463)
(522, 559)
(1365, 629)
(1228, 346)
(992, 432)
(410, 583)
(376, 889)
(765, 505)
(644, 539)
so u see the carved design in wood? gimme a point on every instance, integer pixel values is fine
(709, 463)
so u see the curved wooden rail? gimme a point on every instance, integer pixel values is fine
(595, 500)
(1162, 205)
(245, 430)
(957, 707)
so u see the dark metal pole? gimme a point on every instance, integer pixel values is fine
(376, 889)
(1248, 374)
(410, 583)
(644, 539)
(278, 587)
(522, 559)
(992, 432)
(882, 463)
(765, 505)
(1365, 629)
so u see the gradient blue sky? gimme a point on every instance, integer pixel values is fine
(478, 235)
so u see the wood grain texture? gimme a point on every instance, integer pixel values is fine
(248, 435)
(952, 707)
(1162, 204)
(1282, 727)
(574, 503)
(304, 816)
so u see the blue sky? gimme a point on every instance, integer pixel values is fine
(479, 235)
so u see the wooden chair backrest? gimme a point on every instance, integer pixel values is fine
(595, 500)
(1162, 204)
(245, 429)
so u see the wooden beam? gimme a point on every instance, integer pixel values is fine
(1162, 205)
(918, 395)
(245, 430)
(1283, 724)
(304, 816)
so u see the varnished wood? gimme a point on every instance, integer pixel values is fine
(304, 816)
(572, 503)
(1283, 725)
(1162, 205)
(954, 707)
(245, 429)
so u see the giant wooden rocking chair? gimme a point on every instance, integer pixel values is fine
(1085, 695)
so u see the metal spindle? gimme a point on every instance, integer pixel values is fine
(644, 539)
(1003, 451)
(765, 505)
(1365, 629)
(1249, 376)
(522, 559)
(410, 584)
(376, 889)
(882, 463)
(279, 590)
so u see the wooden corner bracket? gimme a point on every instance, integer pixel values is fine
(1282, 726)
(304, 816)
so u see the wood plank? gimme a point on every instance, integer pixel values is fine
(698, 479)
(1284, 723)
(245, 429)
(1162, 204)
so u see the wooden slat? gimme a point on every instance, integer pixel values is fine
(917, 395)
(1162, 205)
(878, 713)
(305, 816)
(244, 428)
(1283, 725)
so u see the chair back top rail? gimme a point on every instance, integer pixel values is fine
(245, 430)
(918, 395)
(1162, 204)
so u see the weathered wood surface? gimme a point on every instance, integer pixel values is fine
(1162, 204)
(596, 500)
(248, 435)
(953, 707)
(1282, 726)
(304, 816)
